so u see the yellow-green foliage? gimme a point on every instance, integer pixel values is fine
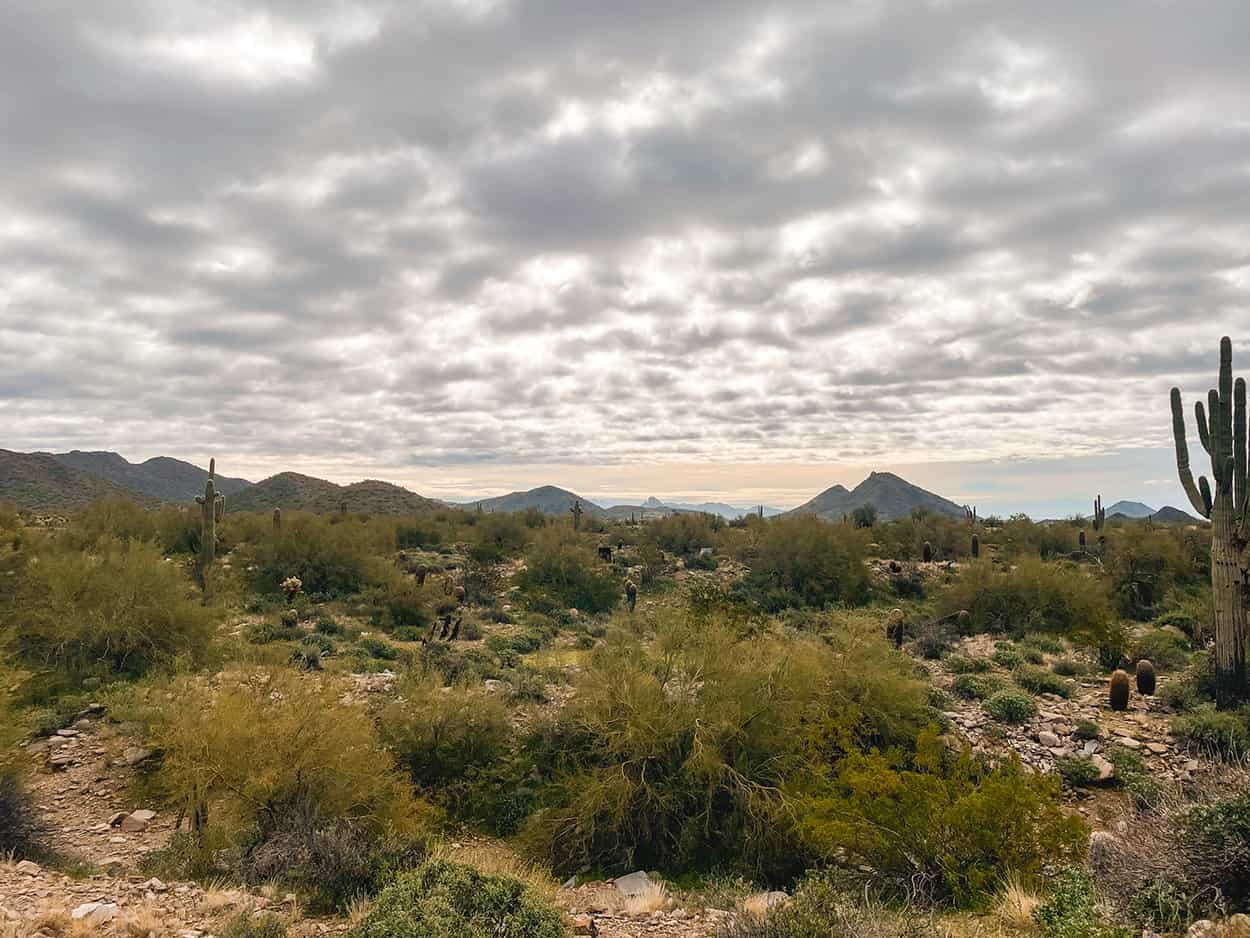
(119, 608)
(680, 752)
(250, 742)
(803, 561)
(942, 828)
(331, 559)
(684, 533)
(439, 734)
(562, 572)
(1032, 597)
(19, 827)
(175, 528)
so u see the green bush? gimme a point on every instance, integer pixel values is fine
(1087, 729)
(20, 830)
(1167, 649)
(330, 559)
(561, 573)
(1217, 848)
(1010, 706)
(1131, 772)
(1077, 771)
(1071, 908)
(1223, 734)
(820, 909)
(681, 752)
(249, 925)
(944, 829)
(1040, 681)
(1032, 597)
(977, 686)
(960, 664)
(440, 899)
(1039, 641)
(1069, 667)
(1008, 658)
(803, 561)
(1164, 904)
(119, 609)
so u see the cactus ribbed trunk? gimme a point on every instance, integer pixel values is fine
(1230, 608)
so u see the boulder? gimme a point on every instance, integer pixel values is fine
(137, 821)
(95, 913)
(633, 884)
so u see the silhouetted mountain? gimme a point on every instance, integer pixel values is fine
(1170, 515)
(725, 510)
(1130, 510)
(292, 491)
(39, 482)
(548, 499)
(160, 477)
(892, 496)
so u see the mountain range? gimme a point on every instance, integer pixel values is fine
(161, 477)
(549, 499)
(38, 482)
(292, 491)
(893, 497)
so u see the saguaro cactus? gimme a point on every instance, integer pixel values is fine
(1222, 431)
(976, 546)
(927, 552)
(1100, 513)
(212, 508)
(576, 512)
(277, 519)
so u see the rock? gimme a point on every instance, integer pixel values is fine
(1237, 926)
(116, 819)
(155, 885)
(1128, 742)
(28, 868)
(133, 755)
(570, 883)
(583, 925)
(1105, 769)
(96, 913)
(1203, 928)
(1048, 739)
(633, 884)
(1158, 749)
(137, 821)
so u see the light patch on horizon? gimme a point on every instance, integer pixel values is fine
(463, 243)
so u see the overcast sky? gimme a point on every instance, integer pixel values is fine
(711, 249)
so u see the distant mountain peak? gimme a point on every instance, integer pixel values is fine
(653, 502)
(892, 496)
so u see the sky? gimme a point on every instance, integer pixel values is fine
(709, 250)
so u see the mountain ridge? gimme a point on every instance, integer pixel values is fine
(892, 496)
(162, 477)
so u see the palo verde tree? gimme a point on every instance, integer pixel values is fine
(1222, 430)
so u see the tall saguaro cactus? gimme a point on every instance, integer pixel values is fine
(576, 512)
(212, 508)
(1222, 431)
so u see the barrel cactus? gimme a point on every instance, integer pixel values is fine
(927, 552)
(1119, 691)
(1146, 678)
(277, 519)
(976, 546)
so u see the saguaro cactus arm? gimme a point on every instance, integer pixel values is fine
(1200, 500)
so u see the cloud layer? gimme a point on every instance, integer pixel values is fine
(433, 236)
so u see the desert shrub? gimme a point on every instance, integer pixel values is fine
(1040, 641)
(498, 536)
(1087, 729)
(250, 925)
(377, 648)
(977, 686)
(440, 899)
(1040, 681)
(945, 828)
(1068, 667)
(820, 909)
(398, 602)
(1077, 771)
(1167, 649)
(560, 572)
(803, 561)
(683, 533)
(1223, 734)
(1216, 840)
(330, 559)
(1189, 613)
(520, 644)
(118, 609)
(680, 753)
(1010, 706)
(440, 736)
(933, 639)
(1193, 688)
(1071, 908)
(1132, 773)
(418, 532)
(1032, 597)
(961, 664)
(288, 782)
(1163, 904)
(20, 830)
(1008, 657)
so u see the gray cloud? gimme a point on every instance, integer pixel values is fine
(458, 233)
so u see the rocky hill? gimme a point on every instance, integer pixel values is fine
(292, 491)
(893, 497)
(38, 482)
(1130, 509)
(549, 499)
(159, 477)
(1170, 515)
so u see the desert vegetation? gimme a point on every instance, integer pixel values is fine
(319, 704)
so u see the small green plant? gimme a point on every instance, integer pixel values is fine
(1071, 909)
(1087, 729)
(1040, 681)
(1069, 667)
(1008, 657)
(1010, 706)
(441, 899)
(1131, 772)
(249, 925)
(1077, 771)
(961, 664)
(1218, 733)
(977, 686)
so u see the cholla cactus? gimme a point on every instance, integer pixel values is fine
(291, 586)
